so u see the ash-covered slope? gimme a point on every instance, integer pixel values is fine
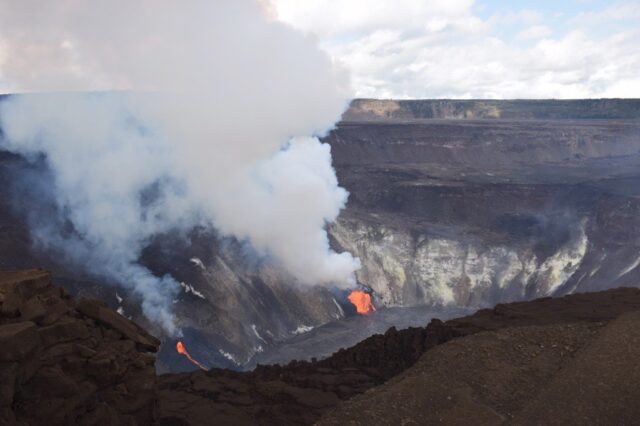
(461, 204)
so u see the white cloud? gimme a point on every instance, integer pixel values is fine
(340, 17)
(431, 48)
(535, 32)
(435, 49)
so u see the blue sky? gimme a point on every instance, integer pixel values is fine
(559, 8)
(557, 15)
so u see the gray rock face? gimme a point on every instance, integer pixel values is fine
(472, 203)
(518, 109)
(405, 269)
(453, 203)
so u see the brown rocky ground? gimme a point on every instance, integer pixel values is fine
(556, 362)
(297, 393)
(497, 364)
(66, 362)
(569, 360)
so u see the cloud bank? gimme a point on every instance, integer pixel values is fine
(477, 49)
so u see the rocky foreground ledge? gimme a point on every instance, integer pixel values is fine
(570, 360)
(70, 362)
(536, 362)
(566, 361)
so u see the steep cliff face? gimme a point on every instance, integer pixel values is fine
(469, 203)
(518, 109)
(453, 203)
(407, 269)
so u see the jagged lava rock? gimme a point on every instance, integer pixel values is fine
(63, 362)
(503, 355)
(569, 360)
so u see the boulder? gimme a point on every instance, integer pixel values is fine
(96, 311)
(50, 380)
(57, 353)
(26, 283)
(32, 310)
(56, 311)
(63, 331)
(17, 340)
(8, 375)
(88, 366)
(11, 304)
(30, 365)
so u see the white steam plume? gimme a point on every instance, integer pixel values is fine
(220, 136)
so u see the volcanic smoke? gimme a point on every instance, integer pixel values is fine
(214, 124)
(182, 350)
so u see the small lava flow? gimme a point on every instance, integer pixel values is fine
(362, 301)
(182, 350)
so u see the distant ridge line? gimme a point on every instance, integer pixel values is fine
(516, 109)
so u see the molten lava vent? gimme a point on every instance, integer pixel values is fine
(362, 301)
(182, 350)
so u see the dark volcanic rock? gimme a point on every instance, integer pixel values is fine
(299, 392)
(512, 365)
(548, 361)
(62, 363)
(99, 312)
(519, 362)
(461, 203)
(17, 340)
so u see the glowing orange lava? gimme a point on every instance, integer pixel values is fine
(182, 350)
(362, 301)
